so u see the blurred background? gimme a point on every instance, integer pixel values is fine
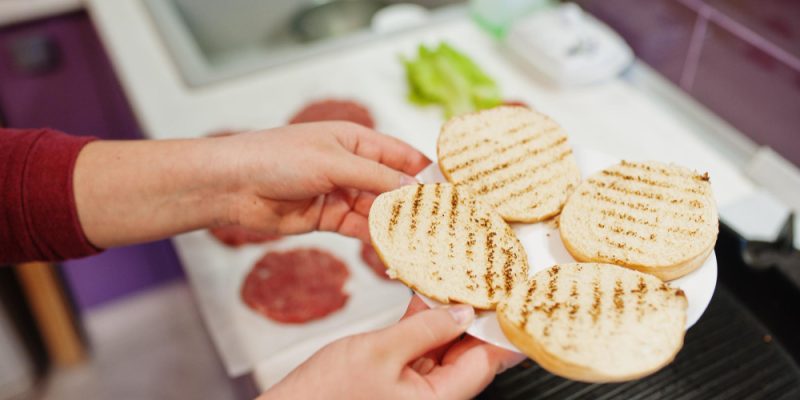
(711, 84)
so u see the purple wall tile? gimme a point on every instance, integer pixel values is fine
(81, 95)
(752, 90)
(659, 31)
(778, 21)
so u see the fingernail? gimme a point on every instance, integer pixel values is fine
(408, 180)
(463, 314)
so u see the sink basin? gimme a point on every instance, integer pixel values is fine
(211, 40)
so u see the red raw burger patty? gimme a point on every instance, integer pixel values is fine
(235, 236)
(334, 110)
(516, 103)
(371, 258)
(296, 286)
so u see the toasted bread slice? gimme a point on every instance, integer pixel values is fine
(515, 159)
(440, 241)
(595, 322)
(652, 217)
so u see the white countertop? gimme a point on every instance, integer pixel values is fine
(617, 117)
(14, 11)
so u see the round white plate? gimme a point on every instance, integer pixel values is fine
(543, 244)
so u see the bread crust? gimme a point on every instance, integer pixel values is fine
(566, 317)
(571, 172)
(443, 243)
(665, 273)
(556, 366)
(646, 216)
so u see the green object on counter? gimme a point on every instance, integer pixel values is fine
(446, 77)
(497, 16)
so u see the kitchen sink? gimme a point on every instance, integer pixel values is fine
(211, 40)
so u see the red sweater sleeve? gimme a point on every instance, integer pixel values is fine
(38, 215)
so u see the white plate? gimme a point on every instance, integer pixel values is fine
(543, 244)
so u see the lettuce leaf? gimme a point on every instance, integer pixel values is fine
(448, 78)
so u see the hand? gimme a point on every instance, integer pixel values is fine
(315, 176)
(299, 178)
(420, 357)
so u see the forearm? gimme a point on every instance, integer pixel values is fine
(130, 192)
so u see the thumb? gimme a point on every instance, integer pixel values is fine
(426, 330)
(354, 172)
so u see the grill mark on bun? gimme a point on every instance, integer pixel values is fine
(497, 152)
(396, 208)
(626, 217)
(549, 311)
(415, 208)
(451, 224)
(598, 299)
(619, 304)
(633, 205)
(627, 232)
(473, 278)
(488, 277)
(629, 192)
(650, 182)
(641, 292)
(573, 295)
(501, 183)
(540, 199)
(527, 310)
(622, 245)
(552, 284)
(437, 194)
(512, 162)
(642, 206)
(648, 168)
(510, 258)
(471, 234)
(483, 141)
(463, 149)
(452, 221)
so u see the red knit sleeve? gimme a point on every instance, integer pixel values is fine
(38, 215)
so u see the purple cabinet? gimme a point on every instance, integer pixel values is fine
(54, 73)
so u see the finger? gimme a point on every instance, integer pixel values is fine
(415, 306)
(474, 367)
(363, 203)
(355, 172)
(507, 358)
(355, 226)
(423, 332)
(390, 151)
(430, 359)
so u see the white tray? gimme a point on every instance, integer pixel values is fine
(245, 338)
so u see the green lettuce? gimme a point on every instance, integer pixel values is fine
(446, 77)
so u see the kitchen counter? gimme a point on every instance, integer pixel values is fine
(634, 117)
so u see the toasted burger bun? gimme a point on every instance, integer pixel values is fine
(440, 241)
(515, 159)
(595, 322)
(656, 218)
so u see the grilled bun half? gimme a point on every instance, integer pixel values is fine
(652, 217)
(515, 159)
(440, 241)
(595, 322)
